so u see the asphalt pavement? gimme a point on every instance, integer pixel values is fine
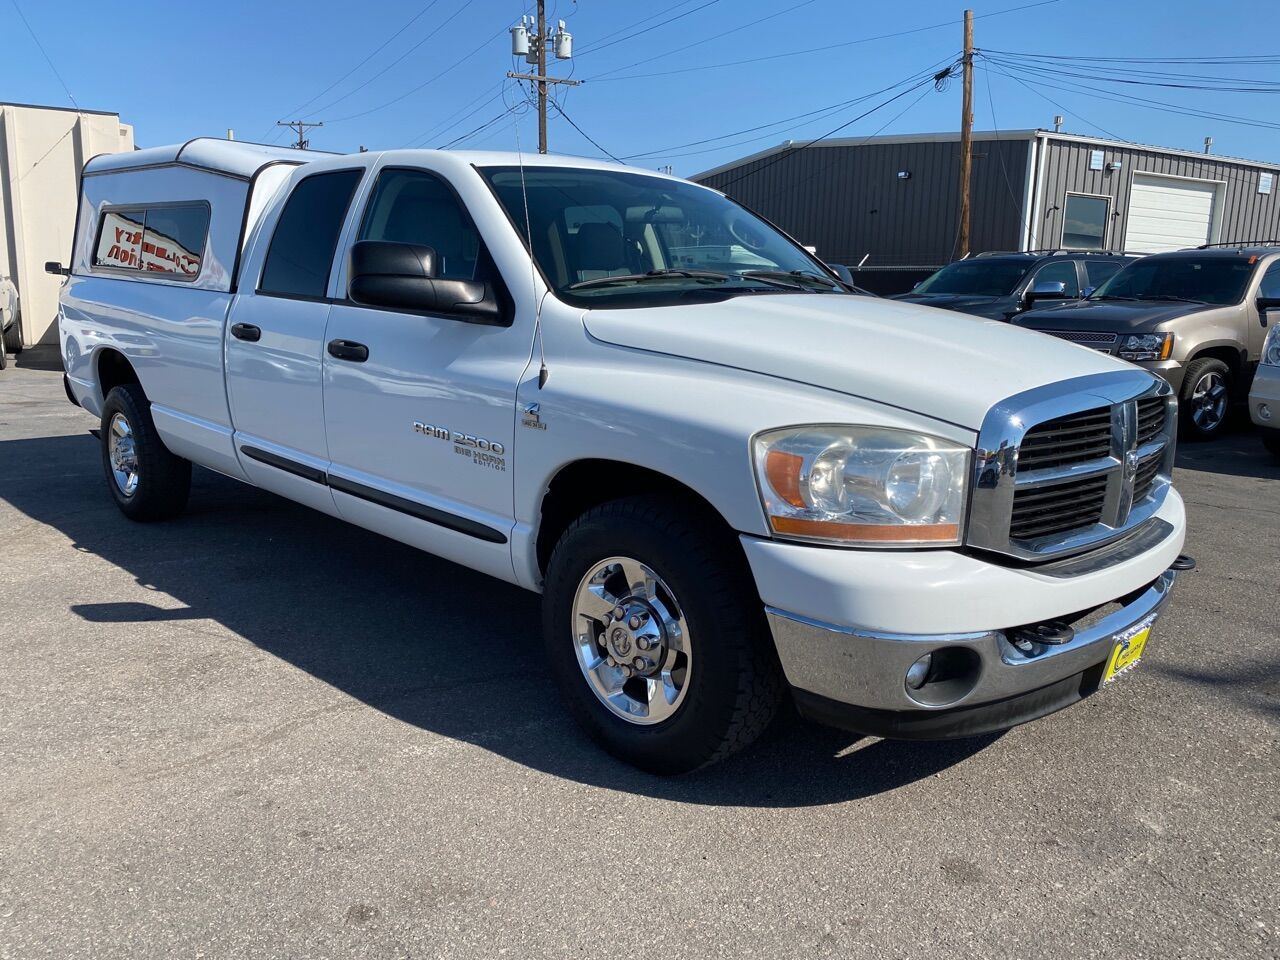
(260, 732)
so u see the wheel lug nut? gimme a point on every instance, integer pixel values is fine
(643, 643)
(613, 662)
(618, 613)
(641, 664)
(626, 671)
(634, 623)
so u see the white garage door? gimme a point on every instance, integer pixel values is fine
(1169, 214)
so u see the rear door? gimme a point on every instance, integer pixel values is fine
(275, 343)
(421, 420)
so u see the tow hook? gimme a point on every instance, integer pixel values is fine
(1051, 633)
(1183, 562)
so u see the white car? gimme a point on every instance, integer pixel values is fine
(728, 482)
(1264, 395)
(10, 334)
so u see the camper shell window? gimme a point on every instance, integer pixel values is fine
(166, 239)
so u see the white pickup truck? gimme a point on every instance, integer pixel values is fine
(730, 477)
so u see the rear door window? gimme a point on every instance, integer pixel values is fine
(302, 248)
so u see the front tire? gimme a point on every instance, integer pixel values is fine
(656, 636)
(146, 481)
(1204, 399)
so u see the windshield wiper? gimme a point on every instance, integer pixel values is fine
(1171, 299)
(789, 275)
(1110, 296)
(651, 275)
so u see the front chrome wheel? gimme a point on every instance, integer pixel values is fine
(1209, 401)
(631, 640)
(122, 450)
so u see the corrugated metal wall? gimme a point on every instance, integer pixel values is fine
(849, 202)
(1246, 214)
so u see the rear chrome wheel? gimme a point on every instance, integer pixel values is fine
(632, 641)
(123, 454)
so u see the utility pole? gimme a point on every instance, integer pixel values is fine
(532, 45)
(966, 138)
(299, 127)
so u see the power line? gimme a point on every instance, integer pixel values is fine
(937, 79)
(1160, 105)
(440, 26)
(462, 114)
(808, 50)
(382, 46)
(44, 53)
(1219, 85)
(666, 152)
(1085, 120)
(408, 93)
(1242, 59)
(656, 26)
(488, 123)
(587, 136)
(1004, 169)
(716, 36)
(661, 13)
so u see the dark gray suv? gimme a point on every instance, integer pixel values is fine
(1002, 285)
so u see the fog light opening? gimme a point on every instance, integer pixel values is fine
(944, 676)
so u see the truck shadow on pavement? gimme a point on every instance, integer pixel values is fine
(420, 639)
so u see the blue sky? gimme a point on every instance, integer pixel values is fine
(176, 73)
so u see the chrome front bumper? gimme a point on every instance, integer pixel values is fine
(868, 669)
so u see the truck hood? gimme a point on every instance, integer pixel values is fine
(1109, 316)
(947, 366)
(963, 303)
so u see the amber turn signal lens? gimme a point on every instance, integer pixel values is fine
(782, 470)
(867, 532)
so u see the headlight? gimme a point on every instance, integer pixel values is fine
(1271, 348)
(862, 485)
(1146, 346)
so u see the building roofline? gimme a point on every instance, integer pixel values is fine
(978, 135)
(41, 106)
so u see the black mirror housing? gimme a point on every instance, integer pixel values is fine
(57, 269)
(402, 276)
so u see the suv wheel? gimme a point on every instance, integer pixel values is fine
(13, 339)
(657, 638)
(1204, 398)
(145, 479)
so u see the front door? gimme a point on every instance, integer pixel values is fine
(275, 342)
(420, 419)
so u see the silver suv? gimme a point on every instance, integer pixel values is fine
(1197, 317)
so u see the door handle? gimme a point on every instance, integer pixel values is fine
(348, 350)
(246, 331)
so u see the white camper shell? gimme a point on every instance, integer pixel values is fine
(201, 200)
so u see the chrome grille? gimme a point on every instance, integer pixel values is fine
(1069, 466)
(1076, 438)
(1040, 511)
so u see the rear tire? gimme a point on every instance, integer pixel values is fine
(146, 481)
(1205, 399)
(13, 339)
(708, 654)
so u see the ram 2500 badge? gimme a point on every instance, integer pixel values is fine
(731, 479)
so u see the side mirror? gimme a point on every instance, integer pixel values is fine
(57, 269)
(1264, 304)
(1048, 290)
(402, 276)
(843, 272)
(1087, 291)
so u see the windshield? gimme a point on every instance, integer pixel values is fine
(1199, 279)
(614, 239)
(977, 278)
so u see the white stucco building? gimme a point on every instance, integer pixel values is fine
(42, 150)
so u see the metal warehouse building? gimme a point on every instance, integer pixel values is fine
(894, 201)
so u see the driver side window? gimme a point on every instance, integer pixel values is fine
(1061, 271)
(413, 206)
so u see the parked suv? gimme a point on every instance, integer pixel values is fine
(1002, 285)
(1192, 316)
(10, 332)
